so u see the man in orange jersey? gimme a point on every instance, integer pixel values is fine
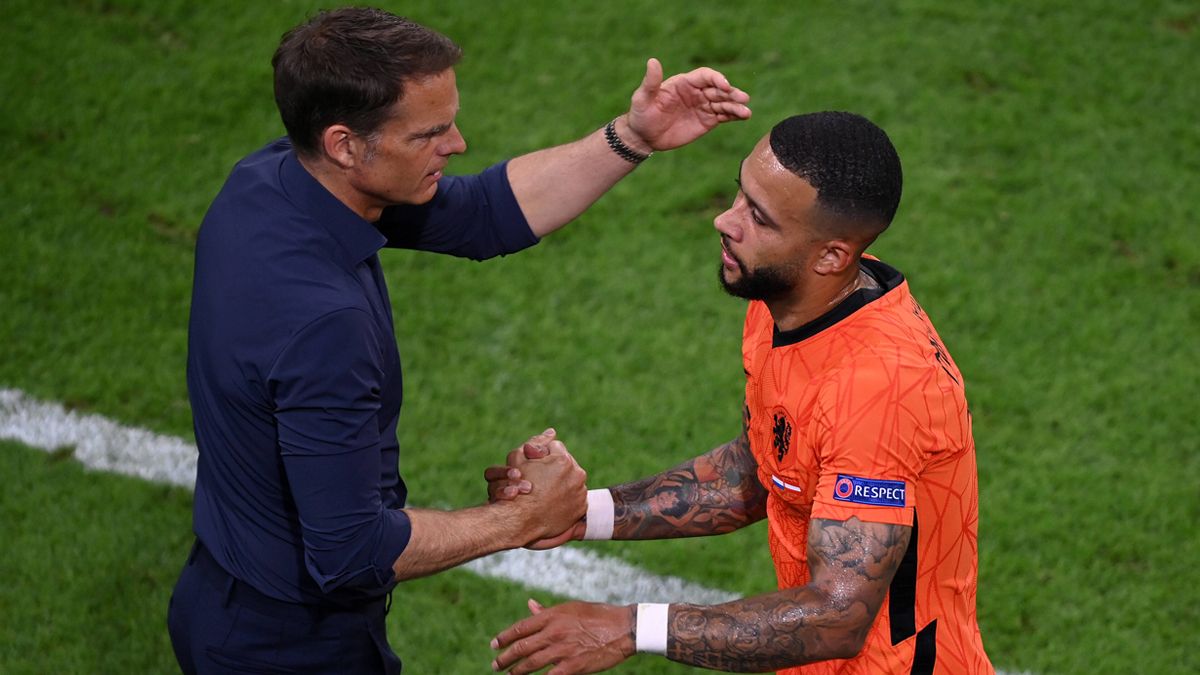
(856, 447)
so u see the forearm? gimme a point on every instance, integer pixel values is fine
(444, 539)
(555, 185)
(769, 632)
(715, 493)
(851, 563)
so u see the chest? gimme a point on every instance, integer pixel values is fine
(372, 287)
(784, 432)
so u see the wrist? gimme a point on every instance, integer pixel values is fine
(600, 515)
(650, 628)
(631, 138)
(515, 522)
(628, 643)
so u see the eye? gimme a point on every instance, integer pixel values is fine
(756, 218)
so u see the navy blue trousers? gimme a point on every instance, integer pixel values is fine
(220, 625)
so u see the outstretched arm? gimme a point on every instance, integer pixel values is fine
(715, 493)
(555, 185)
(852, 565)
(444, 539)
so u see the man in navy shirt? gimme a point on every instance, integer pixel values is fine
(293, 370)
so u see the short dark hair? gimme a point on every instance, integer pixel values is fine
(348, 66)
(849, 161)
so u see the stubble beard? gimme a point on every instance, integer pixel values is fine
(761, 283)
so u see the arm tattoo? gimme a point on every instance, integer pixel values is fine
(715, 493)
(852, 565)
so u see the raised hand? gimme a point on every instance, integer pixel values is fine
(667, 114)
(575, 637)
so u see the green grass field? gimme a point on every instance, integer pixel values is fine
(1049, 224)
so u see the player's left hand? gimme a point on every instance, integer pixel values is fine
(668, 114)
(575, 637)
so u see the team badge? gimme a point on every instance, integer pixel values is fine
(782, 430)
(869, 491)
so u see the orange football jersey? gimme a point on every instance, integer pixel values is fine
(862, 413)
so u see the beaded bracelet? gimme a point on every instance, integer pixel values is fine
(618, 146)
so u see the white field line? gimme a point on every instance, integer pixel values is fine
(103, 444)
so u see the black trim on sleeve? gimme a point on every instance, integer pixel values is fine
(902, 595)
(887, 276)
(925, 655)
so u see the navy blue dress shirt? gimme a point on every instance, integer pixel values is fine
(294, 375)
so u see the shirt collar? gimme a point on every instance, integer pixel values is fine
(357, 238)
(888, 278)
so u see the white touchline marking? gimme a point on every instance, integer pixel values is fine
(103, 444)
(577, 573)
(98, 443)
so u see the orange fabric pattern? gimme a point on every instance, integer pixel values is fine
(864, 415)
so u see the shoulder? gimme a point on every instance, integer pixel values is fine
(758, 318)
(889, 349)
(757, 330)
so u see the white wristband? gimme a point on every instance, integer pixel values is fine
(651, 635)
(599, 515)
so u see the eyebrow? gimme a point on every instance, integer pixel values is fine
(431, 132)
(754, 204)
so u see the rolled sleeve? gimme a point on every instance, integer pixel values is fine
(327, 391)
(474, 217)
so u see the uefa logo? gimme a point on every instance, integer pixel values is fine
(843, 488)
(873, 491)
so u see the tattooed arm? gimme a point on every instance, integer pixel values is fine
(852, 565)
(715, 493)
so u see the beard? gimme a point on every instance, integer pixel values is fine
(761, 283)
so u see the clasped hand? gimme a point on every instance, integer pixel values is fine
(542, 472)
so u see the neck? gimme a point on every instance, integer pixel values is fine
(332, 178)
(817, 298)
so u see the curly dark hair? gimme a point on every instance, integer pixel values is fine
(849, 161)
(348, 66)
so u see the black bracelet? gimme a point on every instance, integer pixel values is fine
(624, 151)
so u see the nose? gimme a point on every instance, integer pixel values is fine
(455, 143)
(726, 224)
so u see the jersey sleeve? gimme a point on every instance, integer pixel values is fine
(872, 441)
(474, 217)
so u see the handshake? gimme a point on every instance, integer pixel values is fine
(544, 485)
(545, 490)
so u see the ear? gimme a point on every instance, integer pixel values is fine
(835, 257)
(342, 146)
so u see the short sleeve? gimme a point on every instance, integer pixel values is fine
(474, 216)
(872, 450)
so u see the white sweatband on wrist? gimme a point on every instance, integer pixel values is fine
(599, 515)
(651, 635)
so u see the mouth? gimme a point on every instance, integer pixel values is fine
(728, 260)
